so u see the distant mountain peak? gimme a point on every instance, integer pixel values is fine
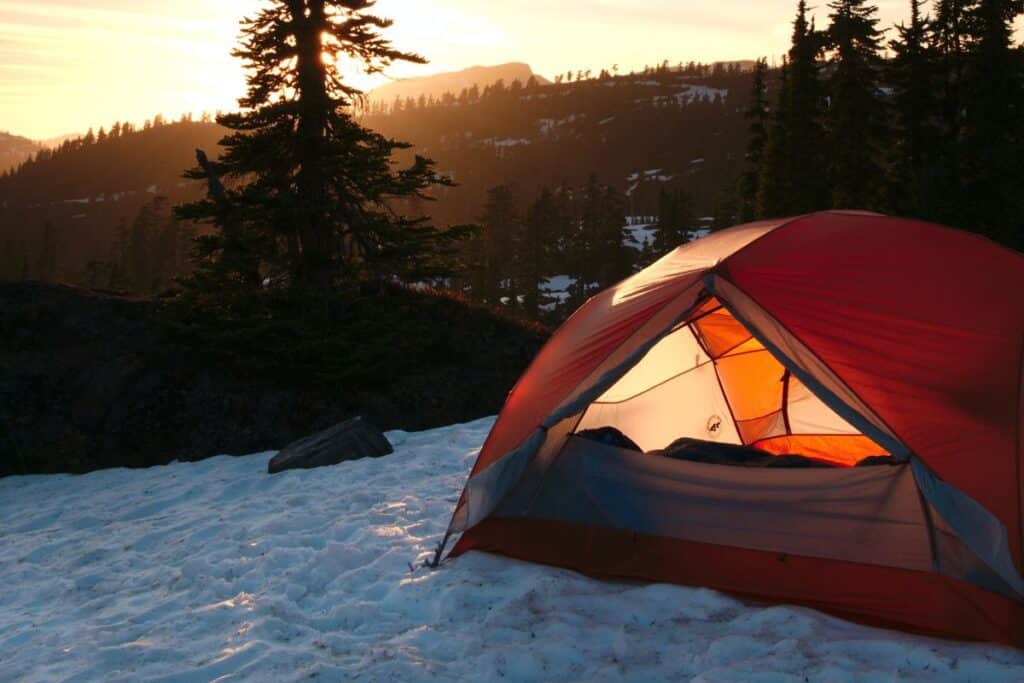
(454, 81)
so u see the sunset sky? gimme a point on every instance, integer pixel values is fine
(66, 65)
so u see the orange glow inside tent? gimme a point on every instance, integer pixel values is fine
(711, 379)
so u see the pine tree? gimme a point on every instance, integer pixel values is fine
(993, 123)
(775, 184)
(491, 249)
(912, 73)
(675, 220)
(597, 253)
(805, 137)
(533, 248)
(308, 186)
(758, 117)
(950, 38)
(793, 173)
(856, 115)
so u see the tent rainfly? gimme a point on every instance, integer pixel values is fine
(827, 342)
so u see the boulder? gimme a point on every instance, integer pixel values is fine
(349, 440)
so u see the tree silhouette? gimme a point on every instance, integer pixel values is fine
(758, 117)
(913, 73)
(309, 186)
(857, 116)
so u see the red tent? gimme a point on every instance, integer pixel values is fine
(836, 339)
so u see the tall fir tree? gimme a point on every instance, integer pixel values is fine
(993, 123)
(856, 119)
(793, 179)
(308, 187)
(806, 135)
(912, 72)
(491, 249)
(603, 257)
(775, 183)
(757, 116)
(675, 220)
(951, 41)
(544, 218)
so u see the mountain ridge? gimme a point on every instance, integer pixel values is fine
(435, 85)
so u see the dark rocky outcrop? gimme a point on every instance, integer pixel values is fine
(87, 381)
(349, 440)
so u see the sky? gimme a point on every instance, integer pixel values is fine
(67, 65)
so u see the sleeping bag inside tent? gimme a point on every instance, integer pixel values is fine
(824, 411)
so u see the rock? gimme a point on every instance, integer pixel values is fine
(349, 440)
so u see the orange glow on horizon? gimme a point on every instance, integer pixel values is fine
(68, 65)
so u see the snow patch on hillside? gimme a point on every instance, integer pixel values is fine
(639, 236)
(217, 571)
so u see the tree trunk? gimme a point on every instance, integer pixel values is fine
(314, 103)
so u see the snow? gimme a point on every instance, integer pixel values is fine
(639, 235)
(506, 142)
(556, 288)
(606, 121)
(548, 125)
(217, 571)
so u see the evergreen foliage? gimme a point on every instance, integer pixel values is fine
(993, 122)
(532, 257)
(857, 119)
(757, 115)
(913, 74)
(490, 250)
(309, 188)
(793, 179)
(596, 254)
(675, 220)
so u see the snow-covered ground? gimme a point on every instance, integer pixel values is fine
(217, 571)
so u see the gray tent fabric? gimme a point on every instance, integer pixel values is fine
(485, 490)
(869, 515)
(975, 526)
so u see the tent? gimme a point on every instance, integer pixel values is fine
(834, 337)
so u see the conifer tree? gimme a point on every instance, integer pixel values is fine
(599, 254)
(308, 186)
(775, 184)
(993, 123)
(805, 138)
(951, 40)
(675, 220)
(793, 174)
(544, 219)
(913, 74)
(491, 249)
(758, 117)
(856, 115)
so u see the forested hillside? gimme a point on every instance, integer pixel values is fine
(89, 212)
